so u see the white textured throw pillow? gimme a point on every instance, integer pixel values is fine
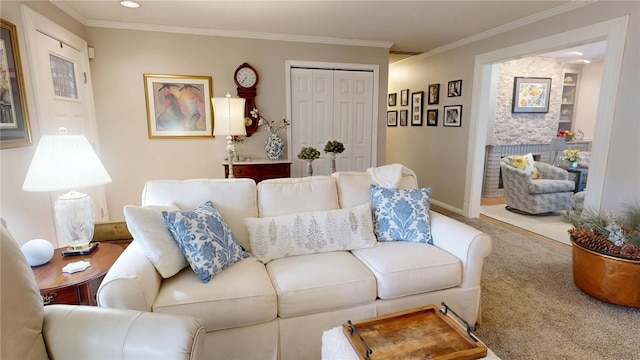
(148, 228)
(311, 232)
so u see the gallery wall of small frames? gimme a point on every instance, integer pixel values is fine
(415, 107)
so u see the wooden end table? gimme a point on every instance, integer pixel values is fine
(78, 288)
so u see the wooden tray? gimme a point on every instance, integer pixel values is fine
(420, 333)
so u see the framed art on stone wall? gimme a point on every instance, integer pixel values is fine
(531, 95)
(14, 118)
(178, 106)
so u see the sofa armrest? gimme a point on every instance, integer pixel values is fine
(87, 332)
(470, 245)
(131, 283)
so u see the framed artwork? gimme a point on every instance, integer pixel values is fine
(404, 97)
(452, 116)
(531, 95)
(416, 108)
(432, 117)
(434, 94)
(392, 118)
(178, 106)
(15, 130)
(392, 99)
(454, 88)
(404, 115)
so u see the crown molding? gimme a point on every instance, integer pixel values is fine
(503, 28)
(237, 34)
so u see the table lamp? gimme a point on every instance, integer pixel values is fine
(68, 162)
(229, 121)
(557, 144)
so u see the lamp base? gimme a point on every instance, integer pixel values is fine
(80, 251)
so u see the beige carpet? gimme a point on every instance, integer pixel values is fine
(531, 308)
(550, 226)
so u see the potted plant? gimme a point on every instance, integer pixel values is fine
(309, 154)
(606, 254)
(332, 148)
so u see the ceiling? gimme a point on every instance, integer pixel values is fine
(403, 27)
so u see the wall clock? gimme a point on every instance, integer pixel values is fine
(246, 79)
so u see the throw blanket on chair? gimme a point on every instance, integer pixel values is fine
(388, 176)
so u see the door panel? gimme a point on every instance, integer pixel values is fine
(342, 103)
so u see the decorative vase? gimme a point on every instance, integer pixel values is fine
(605, 277)
(332, 162)
(309, 167)
(574, 164)
(274, 146)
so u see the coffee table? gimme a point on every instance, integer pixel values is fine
(336, 345)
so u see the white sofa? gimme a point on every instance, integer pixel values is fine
(279, 310)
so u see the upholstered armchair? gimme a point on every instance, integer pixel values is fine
(33, 331)
(551, 191)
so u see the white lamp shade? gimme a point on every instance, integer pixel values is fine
(64, 162)
(229, 116)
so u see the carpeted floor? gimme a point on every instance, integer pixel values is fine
(531, 308)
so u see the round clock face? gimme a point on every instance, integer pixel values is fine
(246, 77)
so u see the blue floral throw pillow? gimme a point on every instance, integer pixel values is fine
(205, 240)
(401, 214)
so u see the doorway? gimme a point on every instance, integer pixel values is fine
(613, 31)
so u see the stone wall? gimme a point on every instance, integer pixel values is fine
(518, 128)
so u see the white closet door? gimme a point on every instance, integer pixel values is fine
(332, 105)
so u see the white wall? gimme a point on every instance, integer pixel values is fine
(587, 100)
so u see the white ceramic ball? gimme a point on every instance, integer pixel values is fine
(37, 251)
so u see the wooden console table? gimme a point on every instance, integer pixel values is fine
(259, 170)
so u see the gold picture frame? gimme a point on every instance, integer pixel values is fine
(15, 130)
(178, 106)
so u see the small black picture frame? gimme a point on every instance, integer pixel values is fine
(392, 118)
(404, 116)
(434, 94)
(432, 117)
(416, 108)
(392, 99)
(454, 88)
(404, 97)
(452, 116)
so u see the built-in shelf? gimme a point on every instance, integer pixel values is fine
(567, 106)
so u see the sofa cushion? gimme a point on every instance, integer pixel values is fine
(309, 284)
(354, 186)
(295, 195)
(240, 295)
(404, 268)
(149, 230)
(235, 199)
(205, 240)
(526, 163)
(544, 186)
(401, 214)
(311, 232)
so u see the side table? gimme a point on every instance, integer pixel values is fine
(78, 288)
(580, 174)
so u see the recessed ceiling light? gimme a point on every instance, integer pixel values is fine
(578, 53)
(129, 4)
(586, 61)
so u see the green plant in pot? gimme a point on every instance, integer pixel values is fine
(309, 154)
(606, 254)
(332, 148)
